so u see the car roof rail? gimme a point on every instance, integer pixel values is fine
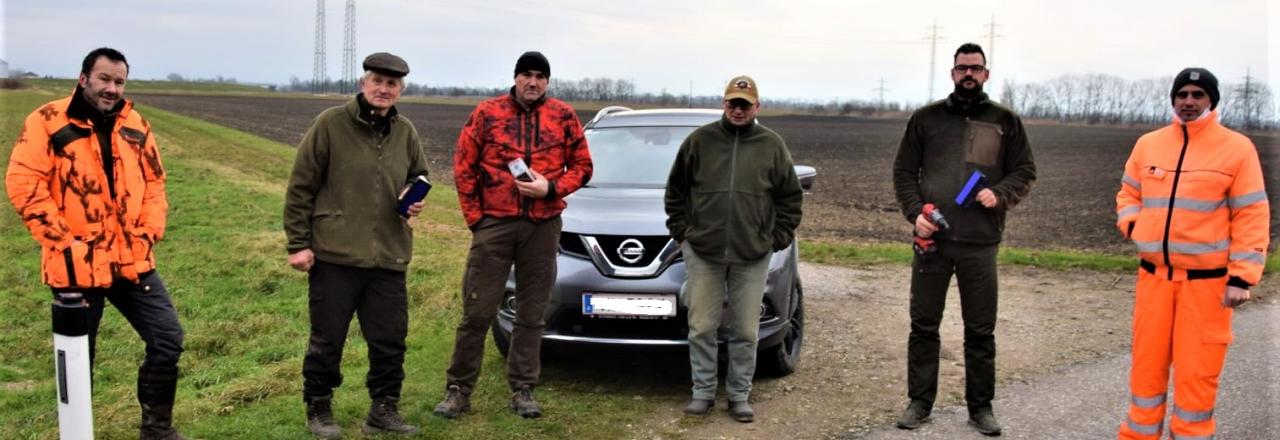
(606, 112)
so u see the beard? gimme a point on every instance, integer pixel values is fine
(968, 93)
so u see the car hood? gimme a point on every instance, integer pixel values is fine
(616, 211)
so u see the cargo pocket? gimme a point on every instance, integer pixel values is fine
(72, 267)
(983, 147)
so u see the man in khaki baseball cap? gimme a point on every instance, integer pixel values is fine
(728, 255)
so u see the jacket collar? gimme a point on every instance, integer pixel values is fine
(82, 111)
(960, 104)
(1209, 119)
(512, 94)
(734, 129)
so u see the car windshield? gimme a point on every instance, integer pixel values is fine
(634, 156)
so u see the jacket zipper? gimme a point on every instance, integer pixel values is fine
(526, 207)
(1173, 193)
(733, 171)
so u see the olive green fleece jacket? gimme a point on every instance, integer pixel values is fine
(945, 142)
(347, 177)
(733, 193)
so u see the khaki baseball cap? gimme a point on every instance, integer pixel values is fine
(742, 87)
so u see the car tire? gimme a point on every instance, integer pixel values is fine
(782, 359)
(501, 339)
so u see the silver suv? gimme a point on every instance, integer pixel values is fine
(620, 274)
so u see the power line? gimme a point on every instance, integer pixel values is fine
(319, 79)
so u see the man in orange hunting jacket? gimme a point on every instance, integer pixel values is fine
(85, 176)
(1192, 200)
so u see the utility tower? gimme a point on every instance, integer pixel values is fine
(991, 41)
(318, 65)
(1247, 90)
(349, 50)
(881, 89)
(933, 39)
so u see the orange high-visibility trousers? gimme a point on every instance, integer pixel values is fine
(1180, 323)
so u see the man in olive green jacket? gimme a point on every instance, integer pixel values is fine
(343, 228)
(732, 199)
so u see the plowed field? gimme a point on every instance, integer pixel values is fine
(1071, 205)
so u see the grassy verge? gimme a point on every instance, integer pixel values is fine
(245, 314)
(858, 254)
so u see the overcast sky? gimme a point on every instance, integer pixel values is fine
(810, 49)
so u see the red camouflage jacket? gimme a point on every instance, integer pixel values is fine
(549, 138)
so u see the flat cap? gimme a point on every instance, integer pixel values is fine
(386, 64)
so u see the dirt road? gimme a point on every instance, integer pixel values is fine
(852, 376)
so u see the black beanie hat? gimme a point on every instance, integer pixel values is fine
(533, 60)
(1200, 77)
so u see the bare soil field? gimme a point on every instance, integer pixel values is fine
(1071, 205)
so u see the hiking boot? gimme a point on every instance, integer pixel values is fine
(985, 422)
(916, 414)
(384, 416)
(741, 411)
(523, 404)
(699, 407)
(454, 404)
(320, 419)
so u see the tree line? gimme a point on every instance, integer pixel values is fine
(1111, 100)
(1098, 99)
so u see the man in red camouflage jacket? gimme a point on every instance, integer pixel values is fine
(514, 218)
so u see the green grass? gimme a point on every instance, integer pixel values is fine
(859, 254)
(245, 315)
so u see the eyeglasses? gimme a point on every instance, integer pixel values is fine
(962, 68)
(739, 104)
(1195, 94)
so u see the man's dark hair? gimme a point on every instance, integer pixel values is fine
(970, 48)
(114, 55)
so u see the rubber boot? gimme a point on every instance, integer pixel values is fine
(156, 387)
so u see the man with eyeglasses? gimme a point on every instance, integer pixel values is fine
(732, 199)
(950, 148)
(1192, 200)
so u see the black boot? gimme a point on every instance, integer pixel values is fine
(156, 387)
(384, 417)
(320, 417)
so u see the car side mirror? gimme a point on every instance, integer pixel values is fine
(808, 175)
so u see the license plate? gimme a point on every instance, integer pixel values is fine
(628, 305)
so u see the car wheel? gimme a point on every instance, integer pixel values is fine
(501, 339)
(782, 359)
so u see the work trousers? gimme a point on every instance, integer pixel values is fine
(496, 244)
(708, 288)
(974, 267)
(378, 298)
(1180, 323)
(148, 308)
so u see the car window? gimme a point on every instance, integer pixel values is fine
(634, 156)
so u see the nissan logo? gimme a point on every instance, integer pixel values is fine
(631, 250)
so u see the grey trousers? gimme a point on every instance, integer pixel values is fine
(708, 287)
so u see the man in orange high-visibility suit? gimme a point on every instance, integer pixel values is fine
(1192, 200)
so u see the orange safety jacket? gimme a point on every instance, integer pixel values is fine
(57, 183)
(1192, 198)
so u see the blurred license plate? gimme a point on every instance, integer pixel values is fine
(628, 305)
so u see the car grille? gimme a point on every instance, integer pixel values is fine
(629, 251)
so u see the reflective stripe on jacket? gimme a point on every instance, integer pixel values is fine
(57, 183)
(1192, 197)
